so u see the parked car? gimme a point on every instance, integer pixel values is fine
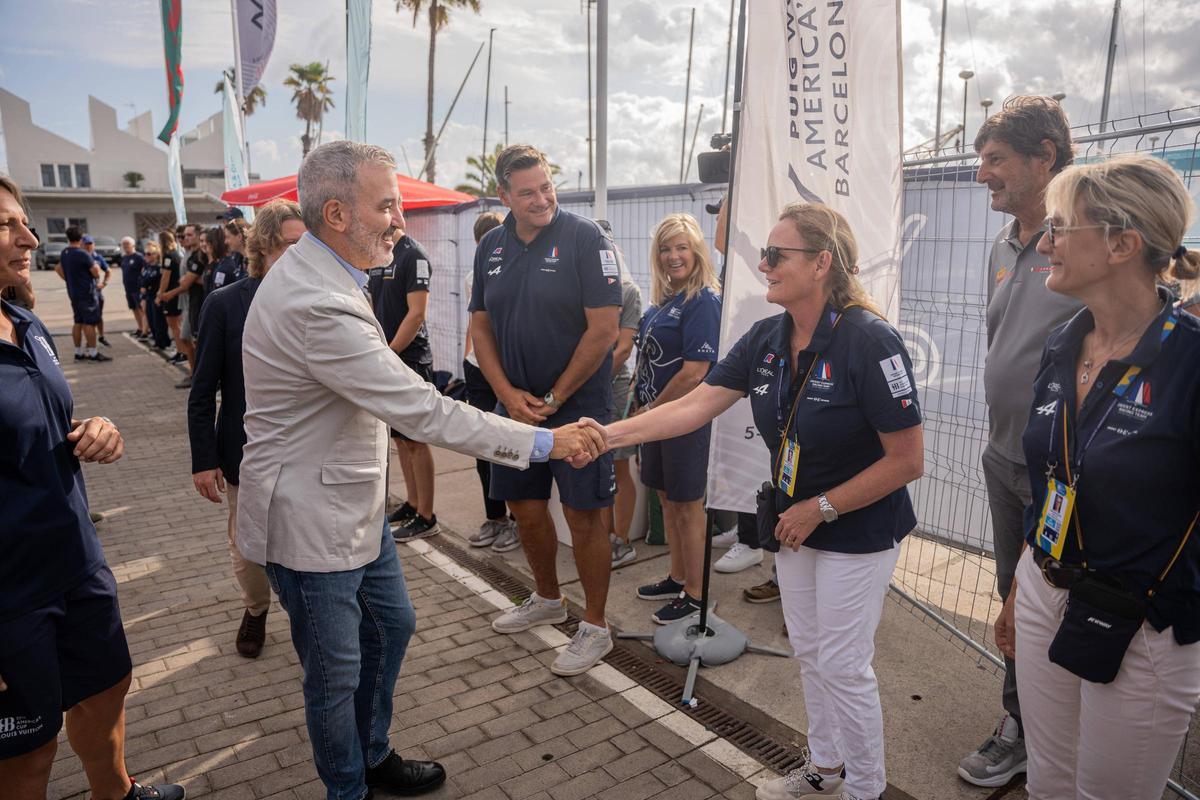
(110, 248)
(106, 246)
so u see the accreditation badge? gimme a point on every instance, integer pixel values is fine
(1056, 515)
(788, 466)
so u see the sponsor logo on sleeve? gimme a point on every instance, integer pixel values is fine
(422, 269)
(46, 346)
(896, 376)
(608, 263)
(707, 349)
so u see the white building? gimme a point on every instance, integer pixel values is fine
(92, 187)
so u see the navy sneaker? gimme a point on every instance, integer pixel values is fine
(417, 528)
(401, 516)
(681, 607)
(164, 791)
(666, 589)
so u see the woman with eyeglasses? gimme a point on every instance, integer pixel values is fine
(677, 345)
(1107, 593)
(833, 397)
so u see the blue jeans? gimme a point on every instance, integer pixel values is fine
(350, 630)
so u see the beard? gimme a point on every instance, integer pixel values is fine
(374, 247)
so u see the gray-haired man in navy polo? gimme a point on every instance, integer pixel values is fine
(1021, 148)
(544, 308)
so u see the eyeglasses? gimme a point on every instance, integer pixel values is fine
(1053, 231)
(770, 254)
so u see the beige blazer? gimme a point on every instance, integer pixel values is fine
(322, 387)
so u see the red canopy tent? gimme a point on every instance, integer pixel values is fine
(416, 194)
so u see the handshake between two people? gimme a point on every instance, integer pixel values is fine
(580, 443)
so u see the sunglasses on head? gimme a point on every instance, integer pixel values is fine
(770, 253)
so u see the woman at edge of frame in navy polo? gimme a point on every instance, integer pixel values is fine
(63, 653)
(677, 345)
(1109, 679)
(832, 392)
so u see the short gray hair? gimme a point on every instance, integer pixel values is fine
(331, 172)
(128, 239)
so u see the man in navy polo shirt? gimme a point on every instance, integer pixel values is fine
(62, 645)
(81, 272)
(132, 264)
(89, 244)
(399, 296)
(545, 306)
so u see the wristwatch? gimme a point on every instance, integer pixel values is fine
(549, 400)
(828, 512)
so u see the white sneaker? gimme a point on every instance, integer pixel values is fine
(725, 539)
(738, 558)
(802, 783)
(534, 611)
(587, 648)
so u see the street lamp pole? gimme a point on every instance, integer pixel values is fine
(986, 103)
(966, 75)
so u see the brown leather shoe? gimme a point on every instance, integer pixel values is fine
(252, 634)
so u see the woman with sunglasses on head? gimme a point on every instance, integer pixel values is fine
(231, 266)
(677, 344)
(1107, 594)
(833, 397)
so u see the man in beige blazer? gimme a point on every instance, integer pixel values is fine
(322, 388)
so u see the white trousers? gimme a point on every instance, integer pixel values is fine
(832, 603)
(1092, 741)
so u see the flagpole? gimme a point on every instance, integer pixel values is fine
(239, 98)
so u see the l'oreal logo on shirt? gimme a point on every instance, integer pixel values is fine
(46, 346)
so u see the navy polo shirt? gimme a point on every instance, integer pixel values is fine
(679, 330)
(77, 270)
(47, 539)
(389, 287)
(536, 294)
(132, 265)
(101, 261)
(861, 385)
(151, 277)
(230, 269)
(1134, 449)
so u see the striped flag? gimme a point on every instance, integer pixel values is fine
(172, 22)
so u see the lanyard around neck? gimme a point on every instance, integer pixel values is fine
(799, 394)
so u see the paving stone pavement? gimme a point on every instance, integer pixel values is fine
(483, 704)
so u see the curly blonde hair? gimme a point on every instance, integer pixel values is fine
(266, 234)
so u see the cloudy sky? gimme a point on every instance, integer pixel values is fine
(113, 51)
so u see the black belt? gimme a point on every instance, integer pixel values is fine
(1055, 572)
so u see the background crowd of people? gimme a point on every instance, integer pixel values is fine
(320, 356)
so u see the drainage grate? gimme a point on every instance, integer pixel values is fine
(766, 739)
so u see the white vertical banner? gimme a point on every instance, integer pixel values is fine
(175, 179)
(255, 24)
(358, 64)
(236, 175)
(820, 122)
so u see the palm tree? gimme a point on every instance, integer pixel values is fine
(439, 17)
(312, 96)
(257, 96)
(482, 182)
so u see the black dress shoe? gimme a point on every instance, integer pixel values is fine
(406, 778)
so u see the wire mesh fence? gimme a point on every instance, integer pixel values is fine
(946, 573)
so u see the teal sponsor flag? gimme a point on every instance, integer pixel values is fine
(172, 22)
(358, 62)
(236, 174)
(175, 179)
